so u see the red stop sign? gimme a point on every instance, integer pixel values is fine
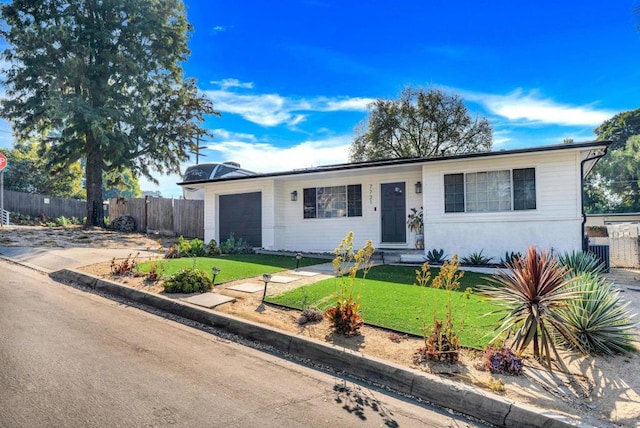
(3, 161)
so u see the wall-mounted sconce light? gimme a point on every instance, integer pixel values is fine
(294, 195)
(419, 187)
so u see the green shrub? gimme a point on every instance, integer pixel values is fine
(476, 259)
(509, 257)
(436, 256)
(212, 249)
(188, 280)
(597, 318)
(235, 246)
(580, 262)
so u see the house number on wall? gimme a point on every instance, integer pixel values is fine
(370, 194)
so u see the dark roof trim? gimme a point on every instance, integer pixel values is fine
(408, 161)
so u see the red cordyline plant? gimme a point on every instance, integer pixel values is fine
(531, 291)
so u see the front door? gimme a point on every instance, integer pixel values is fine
(393, 209)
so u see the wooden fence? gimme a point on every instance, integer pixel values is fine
(35, 205)
(178, 217)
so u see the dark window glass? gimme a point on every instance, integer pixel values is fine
(354, 200)
(524, 189)
(454, 193)
(309, 202)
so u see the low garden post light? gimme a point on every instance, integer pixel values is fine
(298, 258)
(266, 278)
(215, 271)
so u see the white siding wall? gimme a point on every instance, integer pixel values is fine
(324, 235)
(554, 224)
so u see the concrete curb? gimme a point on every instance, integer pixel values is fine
(461, 398)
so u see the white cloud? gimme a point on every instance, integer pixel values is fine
(218, 29)
(232, 83)
(275, 109)
(261, 157)
(532, 107)
(265, 157)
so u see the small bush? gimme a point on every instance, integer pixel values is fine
(436, 256)
(476, 259)
(597, 317)
(235, 246)
(156, 270)
(581, 262)
(212, 249)
(188, 280)
(510, 258)
(310, 314)
(173, 253)
(345, 316)
(124, 267)
(502, 361)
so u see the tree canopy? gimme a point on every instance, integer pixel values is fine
(614, 184)
(105, 78)
(420, 123)
(31, 172)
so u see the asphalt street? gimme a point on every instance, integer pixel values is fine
(74, 359)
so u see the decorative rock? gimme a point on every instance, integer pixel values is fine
(124, 223)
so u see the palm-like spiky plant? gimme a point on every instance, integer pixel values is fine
(531, 291)
(581, 262)
(598, 319)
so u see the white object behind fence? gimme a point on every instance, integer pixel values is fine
(624, 246)
(4, 217)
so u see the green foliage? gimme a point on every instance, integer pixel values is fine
(415, 220)
(420, 123)
(476, 259)
(173, 252)
(390, 299)
(614, 184)
(502, 361)
(509, 258)
(436, 256)
(121, 184)
(102, 88)
(531, 292)
(188, 280)
(597, 317)
(345, 316)
(441, 342)
(186, 248)
(581, 263)
(33, 171)
(124, 267)
(212, 249)
(235, 246)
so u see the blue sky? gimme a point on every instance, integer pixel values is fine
(293, 79)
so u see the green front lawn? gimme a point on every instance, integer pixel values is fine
(389, 299)
(232, 266)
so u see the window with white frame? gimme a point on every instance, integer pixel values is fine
(487, 191)
(333, 202)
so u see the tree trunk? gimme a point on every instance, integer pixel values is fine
(93, 174)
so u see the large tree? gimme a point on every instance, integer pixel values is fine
(420, 123)
(613, 186)
(105, 77)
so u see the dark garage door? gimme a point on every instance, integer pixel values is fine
(241, 215)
